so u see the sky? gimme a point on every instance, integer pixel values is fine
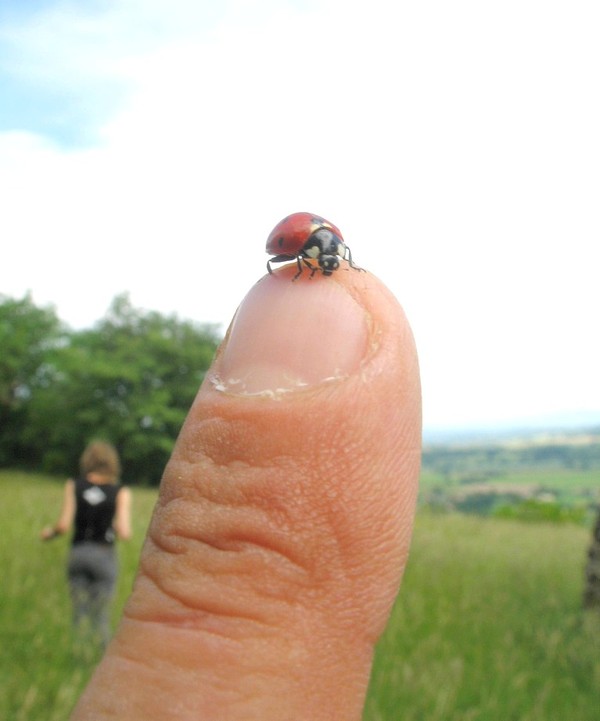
(150, 146)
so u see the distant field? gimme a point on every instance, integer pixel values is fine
(560, 479)
(571, 488)
(488, 625)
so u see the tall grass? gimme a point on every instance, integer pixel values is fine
(41, 671)
(488, 625)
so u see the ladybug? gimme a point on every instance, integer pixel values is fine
(305, 237)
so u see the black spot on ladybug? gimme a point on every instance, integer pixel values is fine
(280, 241)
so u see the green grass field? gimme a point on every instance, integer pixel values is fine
(568, 484)
(488, 625)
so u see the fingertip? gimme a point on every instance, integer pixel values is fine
(289, 335)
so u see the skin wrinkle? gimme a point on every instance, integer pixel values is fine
(182, 621)
(280, 568)
(232, 630)
(210, 445)
(185, 668)
(146, 664)
(212, 491)
(233, 533)
(293, 651)
(259, 490)
(207, 638)
(201, 606)
(218, 594)
(334, 570)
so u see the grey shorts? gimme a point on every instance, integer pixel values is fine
(93, 567)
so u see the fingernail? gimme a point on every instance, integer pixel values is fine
(289, 335)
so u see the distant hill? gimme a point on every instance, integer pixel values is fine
(525, 432)
(542, 473)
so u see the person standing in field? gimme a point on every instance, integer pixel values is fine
(98, 508)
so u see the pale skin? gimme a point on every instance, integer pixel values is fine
(284, 519)
(122, 519)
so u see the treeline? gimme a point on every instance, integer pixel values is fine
(130, 379)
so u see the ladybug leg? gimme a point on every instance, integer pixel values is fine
(299, 273)
(299, 260)
(351, 262)
(278, 259)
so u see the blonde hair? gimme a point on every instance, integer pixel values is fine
(101, 457)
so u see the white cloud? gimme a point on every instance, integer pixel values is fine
(456, 146)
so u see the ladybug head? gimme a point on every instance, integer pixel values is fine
(328, 263)
(326, 247)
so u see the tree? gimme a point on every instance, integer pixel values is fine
(129, 380)
(27, 333)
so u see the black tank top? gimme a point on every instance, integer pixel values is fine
(95, 510)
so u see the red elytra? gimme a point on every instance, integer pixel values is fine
(306, 237)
